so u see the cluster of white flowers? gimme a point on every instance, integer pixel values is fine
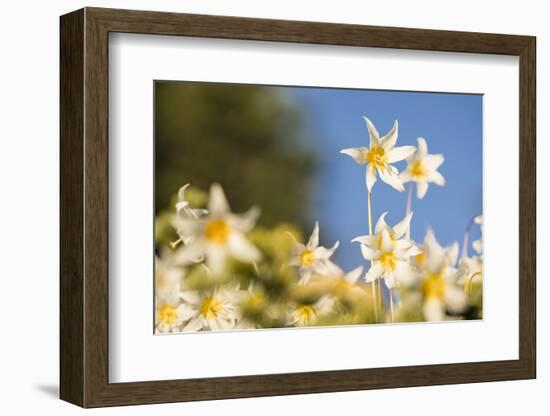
(433, 269)
(425, 274)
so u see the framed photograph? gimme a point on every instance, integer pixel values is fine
(264, 207)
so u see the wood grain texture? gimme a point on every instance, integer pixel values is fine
(71, 100)
(84, 207)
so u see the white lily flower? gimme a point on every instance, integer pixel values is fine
(211, 310)
(303, 315)
(422, 169)
(219, 234)
(184, 211)
(388, 251)
(379, 156)
(478, 244)
(312, 258)
(439, 279)
(169, 317)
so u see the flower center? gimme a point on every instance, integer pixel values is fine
(420, 258)
(388, 260)
(217, 231)
(434, 286)
(376, 156)
(307, 257)
(211, 307)
(304, 313)
(256, 301)
(167, 314)
(418, 171)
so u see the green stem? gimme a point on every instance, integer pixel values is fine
(373, 284)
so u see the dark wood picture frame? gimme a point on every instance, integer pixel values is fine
(84, 207)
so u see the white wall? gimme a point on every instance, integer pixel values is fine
(29, 205)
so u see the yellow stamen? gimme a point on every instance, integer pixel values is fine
(434, 286)
(304, 313)
(211, 307)
(420, 258)
(388, 260)
(307, 257)
(167, 314)
(376, 156)
(418, 171)
(217, 231)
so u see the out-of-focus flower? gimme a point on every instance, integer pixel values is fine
(478, 244)
(379, 156)
(422, 169)
(313, 258)
(305, 314)
(346, 282)
(169, 313)
(209, 310)
(169, 316)
(388, 251)
(438, 276)
(167, 277)
(218, 234)
(471, 268)
(184, 211)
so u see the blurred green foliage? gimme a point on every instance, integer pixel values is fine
(247, 138)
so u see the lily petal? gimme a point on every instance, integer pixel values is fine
(369, 253)
(386, 243)
(433, 162)
(389, 140)
(369, 240)
(381, 224)
(421, 189)
(353, 276)
(374, 272)
(422, 148)
(370, 177)
(405, 176)
(391, 179)
(373, 133)
(217, 202)
(215, 257)
(244, 222)
(400, 153)
(433, 310)
(314, 238)
(357, 153)
(324, 253)
(242, 249)
(401, 228)
(436, 178)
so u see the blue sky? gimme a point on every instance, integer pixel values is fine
(451, 125)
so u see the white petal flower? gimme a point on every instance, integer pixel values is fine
(478, 244)
(422, 169)
(388, 251)
(219, 234)
(169, 317)
(184, 212)
(167, 278)
(306, 314)
(211, 310)
(439, 279)
(379, 156)
(312, 258)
